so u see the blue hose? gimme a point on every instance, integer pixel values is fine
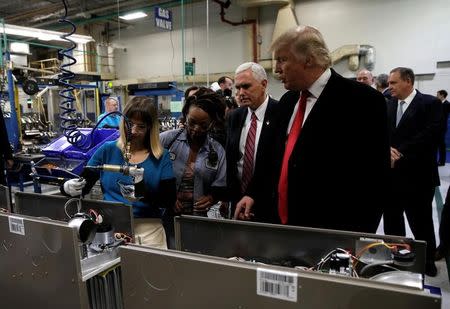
(67, 116)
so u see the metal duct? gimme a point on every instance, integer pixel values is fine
(354, 52)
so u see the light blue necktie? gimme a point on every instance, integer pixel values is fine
(399, 112)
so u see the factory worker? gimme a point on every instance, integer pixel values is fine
(112, 121)
(138, 147)
(198, 160)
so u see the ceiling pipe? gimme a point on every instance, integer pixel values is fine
(226, 5)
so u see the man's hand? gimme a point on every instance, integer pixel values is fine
(243, 209)
(395, 156)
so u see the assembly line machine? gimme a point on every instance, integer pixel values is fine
(51, 242)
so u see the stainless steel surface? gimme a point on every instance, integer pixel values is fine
(120, 216)
(5, 201)
(155, 278)
(405, 278)
(95, 264)
(40, 269)
(278, 244)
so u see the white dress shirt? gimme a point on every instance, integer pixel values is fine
(315, 90)
(407, 101)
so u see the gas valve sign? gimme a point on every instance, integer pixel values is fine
(163, 18)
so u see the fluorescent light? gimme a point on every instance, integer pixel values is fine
(134, 15)
(44, 35)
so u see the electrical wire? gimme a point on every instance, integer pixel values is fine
(70, 201)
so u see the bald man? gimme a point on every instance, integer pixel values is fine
(364, 76)
(112, 121)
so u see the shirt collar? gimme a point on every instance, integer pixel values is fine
(261, 110)
(320, 83)
(409, 98)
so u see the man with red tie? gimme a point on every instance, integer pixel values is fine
(332, 162)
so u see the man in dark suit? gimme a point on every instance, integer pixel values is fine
(251, 93)
(415, 121)
(333, 151)
(442, 96)
(382, 86)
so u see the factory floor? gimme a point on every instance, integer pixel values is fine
(441, 280)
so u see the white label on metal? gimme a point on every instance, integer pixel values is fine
(16, 225)
(276, 284)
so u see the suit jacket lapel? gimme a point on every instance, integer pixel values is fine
(240, 124)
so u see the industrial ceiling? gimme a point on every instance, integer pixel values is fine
(45, 14)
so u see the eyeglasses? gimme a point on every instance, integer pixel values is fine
(139, 126)
(201, 126)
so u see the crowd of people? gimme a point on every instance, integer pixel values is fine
(333, 153)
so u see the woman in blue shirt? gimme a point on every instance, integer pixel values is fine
(148, 194)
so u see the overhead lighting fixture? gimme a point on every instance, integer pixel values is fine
(43, 35)
(134, 15)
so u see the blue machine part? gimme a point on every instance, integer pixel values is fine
(64, 160)
(12, 125)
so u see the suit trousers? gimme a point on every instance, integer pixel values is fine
(442, 150)
(416, 202)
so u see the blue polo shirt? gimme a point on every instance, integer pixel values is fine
(155, 170)
(205, 175)
(112, 121)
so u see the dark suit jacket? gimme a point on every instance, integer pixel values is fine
(387, 94)
(265, 146)
(445, 112)
(417, 137)
(339, 166)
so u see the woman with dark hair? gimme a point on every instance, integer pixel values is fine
(198, 160)
(138, 145)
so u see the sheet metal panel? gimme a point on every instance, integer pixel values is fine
(278, 244)
(40, 269)
(52, 206)
(155, 278)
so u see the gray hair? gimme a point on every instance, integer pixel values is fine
(257, 70)
(112, 98)
(383, 80)
(305, 42)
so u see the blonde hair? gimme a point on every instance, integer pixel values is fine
(305, 42)
(144, 109)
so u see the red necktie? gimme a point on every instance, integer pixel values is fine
(247, 169)
(291, 140)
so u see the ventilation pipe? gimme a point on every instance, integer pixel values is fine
(226, 5)
(354, 52)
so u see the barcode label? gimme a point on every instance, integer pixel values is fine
(16, 225)
(276, 284)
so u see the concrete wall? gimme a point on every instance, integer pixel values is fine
(411, 33)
